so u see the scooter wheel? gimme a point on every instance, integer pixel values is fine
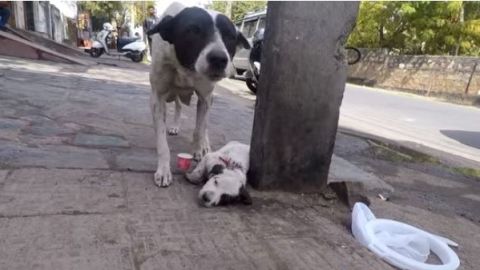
(96, 52)
(252, 85)
(137, 57)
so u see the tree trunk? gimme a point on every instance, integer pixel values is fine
(381, 36)
(228, 9)
(300, 92)
(461, 21)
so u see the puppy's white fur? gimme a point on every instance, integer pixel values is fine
(234, 157)
(227, 183)
(236, 153)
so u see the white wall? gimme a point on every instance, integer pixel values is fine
(40, 18)
(19, 15)
(66, 8)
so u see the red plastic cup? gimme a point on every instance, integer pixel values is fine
(184, 161)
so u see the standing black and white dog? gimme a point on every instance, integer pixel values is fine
(224, 174)
(192, 51)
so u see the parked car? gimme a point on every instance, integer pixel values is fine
(248, 26)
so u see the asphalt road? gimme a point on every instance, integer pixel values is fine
(450, 128)
(405, 118)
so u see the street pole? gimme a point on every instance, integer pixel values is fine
(299, 95)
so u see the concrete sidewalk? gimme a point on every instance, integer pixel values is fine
(77, 157)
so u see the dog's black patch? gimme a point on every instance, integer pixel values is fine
(243, 196)
(230, 36)
(192, 29)
(226, 199)
(216, 169)
(189, 31)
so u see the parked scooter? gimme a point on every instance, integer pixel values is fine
(252, 76)
(133, 48)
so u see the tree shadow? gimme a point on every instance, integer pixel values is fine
(470, 138)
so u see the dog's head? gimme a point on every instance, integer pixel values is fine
(224, 187)
(204, 41)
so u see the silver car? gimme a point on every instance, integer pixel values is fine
(248, 26)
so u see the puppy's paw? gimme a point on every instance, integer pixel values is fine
(194, 177)
(173, 131)
(201, 151)
(163, 176)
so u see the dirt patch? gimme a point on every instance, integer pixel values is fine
(397, 153)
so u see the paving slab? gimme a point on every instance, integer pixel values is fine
(342, 170)
(77, 242)
(11, 128)
(99, 140)
(39, 192)
(3, 176)
(51, 156)
(140, 160)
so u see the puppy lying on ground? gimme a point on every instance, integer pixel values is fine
(224, 173)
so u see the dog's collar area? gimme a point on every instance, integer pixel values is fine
(230, 164)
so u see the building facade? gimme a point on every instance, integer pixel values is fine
(55, 20)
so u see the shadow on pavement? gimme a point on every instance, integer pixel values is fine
(470, 138)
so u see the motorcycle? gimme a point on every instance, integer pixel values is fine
(133, 48)
(252, 76)
(353, 55)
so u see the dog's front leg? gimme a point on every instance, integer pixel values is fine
(175, 128)
(201, 144)
(158, 105)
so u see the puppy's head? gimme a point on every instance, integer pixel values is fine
(225, 188)
(204, 41)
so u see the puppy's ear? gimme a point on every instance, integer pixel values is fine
(242, 42)
(164, 28)
(244, 196)
(216, 169)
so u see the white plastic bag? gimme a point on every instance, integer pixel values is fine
(400, 244)
(411, 245)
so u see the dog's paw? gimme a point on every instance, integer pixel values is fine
(199, 153)
(173, 131)
(194, 177)
(163, 177)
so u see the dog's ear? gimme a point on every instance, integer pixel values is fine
(164, 28)
(242, 42)
(244, 196)
(216, 169)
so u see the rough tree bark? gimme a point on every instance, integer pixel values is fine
(300, 92)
